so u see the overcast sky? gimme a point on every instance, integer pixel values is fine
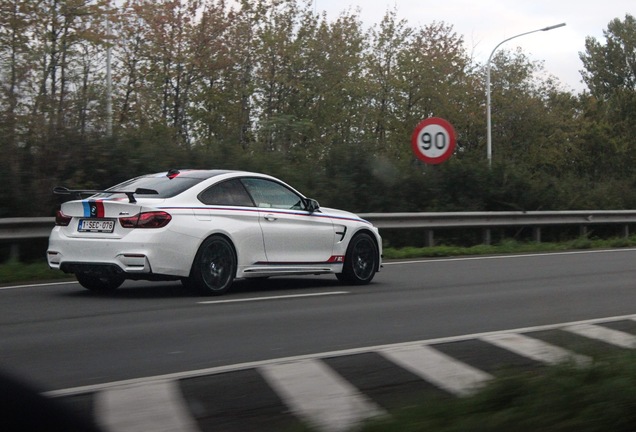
(485, 23)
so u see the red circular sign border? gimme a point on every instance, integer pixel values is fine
(451, 134)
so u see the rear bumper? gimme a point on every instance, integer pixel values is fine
(137, 255)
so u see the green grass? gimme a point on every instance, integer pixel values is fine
(598, 397)
(17, 272)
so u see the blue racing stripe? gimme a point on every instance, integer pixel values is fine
(87, 208)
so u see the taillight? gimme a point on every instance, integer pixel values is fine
(61, 219)
(156, 219)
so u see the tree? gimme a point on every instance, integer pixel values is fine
(611, 67)
(610, 74)
(387, 43)
(222, 100)
(16, 17)
(432, 80)
(282, 42)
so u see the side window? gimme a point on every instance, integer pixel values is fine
(269, 194)
(230, 192)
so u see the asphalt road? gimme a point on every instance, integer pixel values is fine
(62, 336)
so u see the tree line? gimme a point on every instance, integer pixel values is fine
(94, 93)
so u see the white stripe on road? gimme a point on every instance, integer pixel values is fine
(534, 348)
(433, 260)
(320, 396)
(438, 368)
(156, 406)
(252, 299)
(422, 260)
(70, 282)
(249, 365)
(614, 337)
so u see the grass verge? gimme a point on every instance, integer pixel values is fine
(17, 272)
(594, 398)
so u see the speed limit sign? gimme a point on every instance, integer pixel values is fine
(433, 140)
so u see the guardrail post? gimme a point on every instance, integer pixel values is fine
(536, 234)
(429, 238)
(14, 252)
(625, 231)
(487, 238)
(583, 231)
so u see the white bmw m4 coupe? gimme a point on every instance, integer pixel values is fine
(207, 228)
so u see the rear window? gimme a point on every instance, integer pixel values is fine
(166, 187)
(230, 192)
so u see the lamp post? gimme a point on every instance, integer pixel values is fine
(488, 122)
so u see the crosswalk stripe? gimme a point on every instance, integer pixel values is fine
(318, 395)
(254, 364)
(156, 406)
(438, 368)
(534, 348)
(614, 337)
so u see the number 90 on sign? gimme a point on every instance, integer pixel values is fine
(433, 140)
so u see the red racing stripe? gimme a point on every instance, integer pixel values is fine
(100, 208)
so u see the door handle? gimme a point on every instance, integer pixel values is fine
(270, 218)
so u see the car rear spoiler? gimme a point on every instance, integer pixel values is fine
(77, 193)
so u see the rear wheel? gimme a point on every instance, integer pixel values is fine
(214, 267)
(100, 283)
(361, 261)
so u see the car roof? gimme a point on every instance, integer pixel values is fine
(203, 174)
(196, 173)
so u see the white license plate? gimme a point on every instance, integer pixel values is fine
(96, 225)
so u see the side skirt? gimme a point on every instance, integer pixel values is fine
(262, 269)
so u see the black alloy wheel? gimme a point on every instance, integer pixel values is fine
(361, 261)
(214, 267)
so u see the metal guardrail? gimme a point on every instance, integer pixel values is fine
(500, 219)
(15, 230)
(489, 220)
(25, 228)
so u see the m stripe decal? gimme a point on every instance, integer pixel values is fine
(93, 208)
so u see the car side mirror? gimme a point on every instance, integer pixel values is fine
(311, 205)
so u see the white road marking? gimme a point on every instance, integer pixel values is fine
(320, 396)
(438, 368)
(418, 261)
(351, 351)
(156, 406)
(253, 299)
(614, 337)
(534, 348)
(38, 285)
(433, 260)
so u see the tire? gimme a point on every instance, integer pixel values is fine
(214, 267)
(100, 283)
(361, 261)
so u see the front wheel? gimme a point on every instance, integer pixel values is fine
(214, 267)
(100, 283)
(361, 261)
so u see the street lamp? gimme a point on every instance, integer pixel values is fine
(488, 122)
